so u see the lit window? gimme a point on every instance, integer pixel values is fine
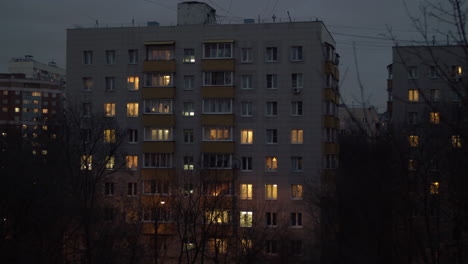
(151, 187)
(246, 81)
(296, 81)
(457, 71)
(271, 163)
(217, 133)
(271, 108)
(161, 214)
(271, 247)
(189, 82)
(413, 140)
(434, 189)
(110, 84)
(219, 78)
(434, 117)
(271, 136)
(157, 160)
(217, 50)
(217, 216)
(295, 53)
(246, 55)
(188, 163)
(188, 109)
(246, 164)
(109, 136)
(132, 162)
(17, 110)
(246, 218)
(158, 106)
(110, 56)
(217, 246)
(88, 57)
(110, 162)
(297, 136)
(86, 162)
(271, 191)
(132, 109)
(271, 218)
(157, 134)
(296, 191)
(217, 188)
(296, 219)
(435, 95)
(271, 54)
(271, 81)
(246, 109)
(296, 163)
(159, 53)
(217, 106)
(296, 108)
(188, 135)
(132, 135)
(87, 84)
(217, 161)
(132, 189)
(246, 244)
(132, 56)
(37, 94)
(456, 141)
(246, 191)
(413, 95)
(189, 56)
(246, 136)
(5, 109)
(109, 109)
(133, 83)
(5, 92)
(159, 79)
(109, 188)
(412, 72)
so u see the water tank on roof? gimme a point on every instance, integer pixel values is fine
(152, 24)
(195, 13)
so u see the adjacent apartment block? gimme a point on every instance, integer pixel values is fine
(235, 124)
(427, 110)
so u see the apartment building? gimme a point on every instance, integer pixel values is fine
(242, 116)
(427, 91)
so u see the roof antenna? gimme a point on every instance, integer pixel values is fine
(433, 40)
(274, 18)
(133, 22)
(289, 16)
(97, 23)
(259, 18)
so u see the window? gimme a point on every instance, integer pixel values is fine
(217, 216)
(86, 162)
(434, 72)
(412, 72)
(131, 162)
(217, 188)
(132, 109)
(87, 84)
(246, 109)
(217, 161)
(246, 81)
(109, 188)
(188, 135)
(413, 140)
(158, 106)
(246, 191)
(246, 164)
(133, 83)
(271, 81)
(246, 55)
(189, 82)
(110, 57)
(412, 164)
(188, 163)
(217, 78)
(435, 95)
(271, 54)
(330, 108)
(271, 108)
(189, 56)
(330, 134)
(217, 245)
(330, 162)
(188, 109)
(246, 244)
(456, 141)
(109, 214)
(296, 108)
(457, 71)
(296, 219)
(109, 135)
(296, 163)
(271, 191)
(110, 84)
(297, 136)
(296, 192)
(413, 95)
(217, 106)
(159, 53)
(296, 247)
(271, 219)
(109, 109)
(434, 188)
(151, 187)
(217, 133)
(132, 135)
(296, 81)
(158, 134)
(88, 57)
(110, 162)
(246, 218)
(132, 189)
(157, 160)
(246, 136)
(157, 214)
(271, 247)
(158, 79)
(412, 118)
(132, 56)
(86, 109)
(271, 136)
(217, 50)
(434, 117)
(271, 163)
(295, 53)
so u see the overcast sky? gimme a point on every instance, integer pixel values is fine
(38, 28)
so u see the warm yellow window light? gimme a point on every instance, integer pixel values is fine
(434, 117)
(413, 95)
(434, 189)
(413, 140)
(456, 141)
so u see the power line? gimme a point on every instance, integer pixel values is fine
(162, 5)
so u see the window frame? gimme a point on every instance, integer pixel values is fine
(271, 136)
(159, 102)
(271, 192)
(219, 51)
(271, 54)
(296, 53)
(162, 160)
